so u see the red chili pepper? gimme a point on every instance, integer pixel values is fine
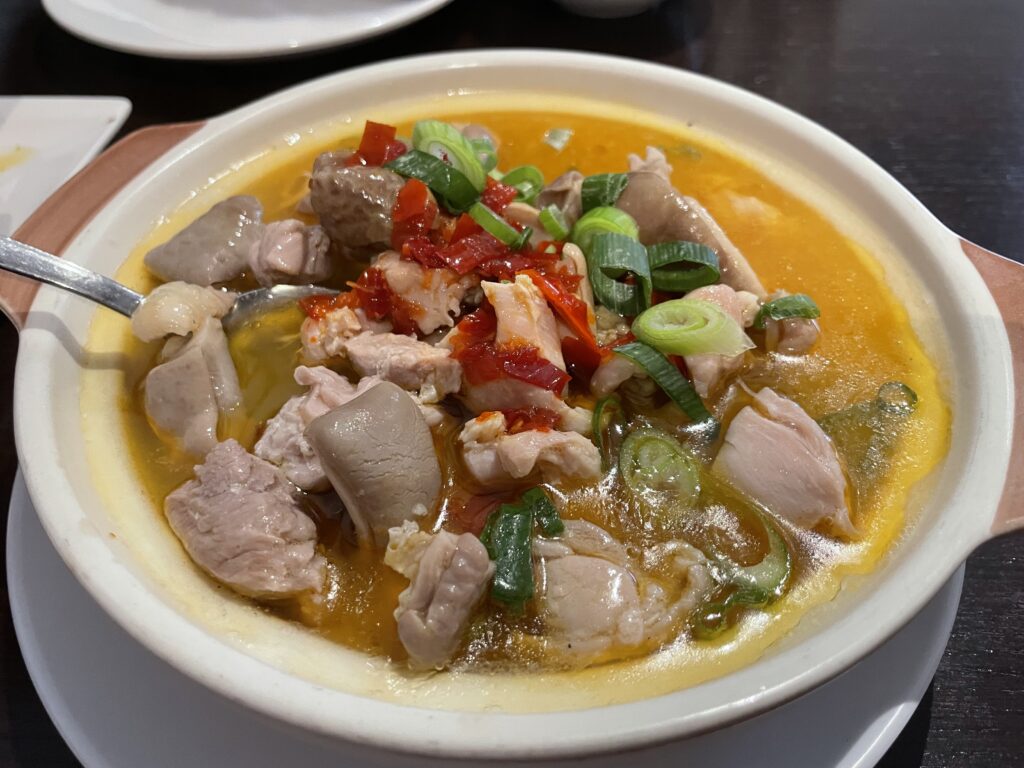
(468, 513)
(477, 327)
(571, 308)
(486, 362)
(469, 252)
(421, 249)
(531, 418)
(413, 214)
(377, 146)
(497, 196)
(464, 227)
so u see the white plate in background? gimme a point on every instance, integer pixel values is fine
(44, 141)
(119, 706)
(232, 29)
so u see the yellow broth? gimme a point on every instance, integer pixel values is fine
(866, 340)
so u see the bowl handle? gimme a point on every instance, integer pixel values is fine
(1005, 280)
(63, 215)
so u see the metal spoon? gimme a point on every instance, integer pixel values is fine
(27, 261)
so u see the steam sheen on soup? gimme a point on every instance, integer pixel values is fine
(578, 391)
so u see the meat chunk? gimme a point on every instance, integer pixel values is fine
(708, 371)
(611, 374)
(354, 203)
(178, 309)
(212, 249)
(524, 318)
(411, 364)
(240, 522)
(283, 441)
(194, 382)
(448, 576)
(509, 394)
(325, 337)
(778, 455)
(653, 161)
(494, 457)
(289, 252)
(435, 295)
(566, 192)
(664, 215)
(378, 453)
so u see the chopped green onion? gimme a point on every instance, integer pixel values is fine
(544, 512)
(448, 183)
(446, 142)
(605, 219)
(608, 425)
(668, 377)
(554, 222)
(508, 537)
(652, 461)
(797, 305)
(603, 189)
(494, 225)
(527, 180)
(610, 257)
(485, 153)
(701, 260)
(896, 397)
(691, 327)
(557, 138)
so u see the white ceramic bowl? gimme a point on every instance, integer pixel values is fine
(256, 664)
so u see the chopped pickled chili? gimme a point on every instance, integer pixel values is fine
(377, 146)
(467, 253)
(423, 250)
(318, 306)
(573, 310)
(531, 418)
(413, 214)
(378, 301)
(497, 196)
(464, 227)
(478, 326)
(485, 362)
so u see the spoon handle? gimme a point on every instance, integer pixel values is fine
(30, 262)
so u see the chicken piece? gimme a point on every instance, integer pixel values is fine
(212, 249)
(194, 382)
(574, 256)
(240, 522)
(411, 364)
(663, 215)
(791, 336)
(283, 441)
(508, 394)
(289, 252)
(435, 295)
(653, 161)
(524, 318)
(325, 337)
(566, 192)
(612, 373)
(448, 576)
(708, 371)
(494, 457)
(178, 309)
(354, 203)
(378, 453)
(778, 455)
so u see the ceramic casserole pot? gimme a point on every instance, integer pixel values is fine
(965, 304)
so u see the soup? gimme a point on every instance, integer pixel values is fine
(639, 444)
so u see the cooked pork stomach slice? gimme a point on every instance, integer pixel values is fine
(212, 249)
(448, 576)
(192, 385)
(495, 458)
(283, 441)
(289, 252)
(709, 371)
(178, 309)
(240, 522)
(778, 455)
(378, 453)
(435, 295)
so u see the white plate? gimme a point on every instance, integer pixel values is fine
(119, 706)
(232, 29)
(43, 141)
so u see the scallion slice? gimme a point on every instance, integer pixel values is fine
(446, 142)
(668, 377)
(445, 181)
(700, 262)
(608, 426)
(485, 153)
(602, 189)
(691, 327)
(785, 307)
(496, 226)
(554, 222)
(557, 138)
(604, 219)
(610, 257)
(527, 180)
(654, 462)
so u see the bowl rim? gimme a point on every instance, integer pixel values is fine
(613, 728)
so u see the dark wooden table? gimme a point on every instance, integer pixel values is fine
(931, 89)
